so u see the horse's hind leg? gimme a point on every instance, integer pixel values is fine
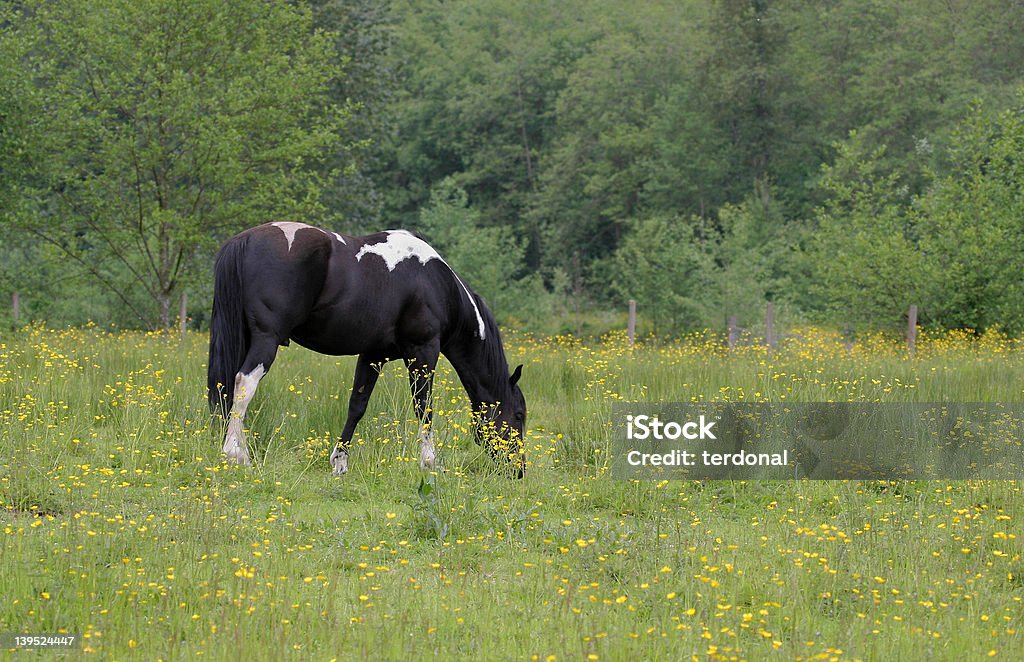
(257, 363)
(367, 371)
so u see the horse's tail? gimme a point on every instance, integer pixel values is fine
(229, 331)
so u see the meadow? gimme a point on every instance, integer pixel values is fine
(120, 521)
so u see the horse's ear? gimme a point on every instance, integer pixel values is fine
(516, 374)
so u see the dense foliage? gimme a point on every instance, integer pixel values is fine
(842, 159)
(158, 127)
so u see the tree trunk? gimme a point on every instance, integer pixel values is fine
(164, 299)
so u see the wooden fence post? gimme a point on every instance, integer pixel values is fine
(183, 314)
(912, 329)
(769, 326)
(16, 306)
(733, 331)
(631, 323)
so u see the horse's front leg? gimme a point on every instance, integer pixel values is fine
(367, 370)
(421, 380)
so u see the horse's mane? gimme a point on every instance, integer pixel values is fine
(494, 362)
(495, 352)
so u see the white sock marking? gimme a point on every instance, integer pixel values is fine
(339, 461)
(234, 441)
(427, 455)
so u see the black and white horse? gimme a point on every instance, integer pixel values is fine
(384, 296)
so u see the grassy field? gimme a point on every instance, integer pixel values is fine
(120, 521)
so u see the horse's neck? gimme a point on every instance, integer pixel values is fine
(485, 380)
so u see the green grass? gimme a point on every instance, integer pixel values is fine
(120, 521)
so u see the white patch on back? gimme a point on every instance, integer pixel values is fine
(400, 245)
(403, 245)
(289, 228)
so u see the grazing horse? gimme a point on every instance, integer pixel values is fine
(383, 296)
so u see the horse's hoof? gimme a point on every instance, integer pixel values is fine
(236, 450)
(339, 462)
(240, 460)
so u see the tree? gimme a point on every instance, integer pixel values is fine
(593, 179)
(746, 37)
(362, 34)
(490, 259)
(15, 111)
(971, 226)
(479, 83)
(952, 249)
(865, 254)
(20, 138)
(752, 252)
(173, 125)
(662, 265)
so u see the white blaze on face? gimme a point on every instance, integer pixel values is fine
(289, 228)
(402, 245)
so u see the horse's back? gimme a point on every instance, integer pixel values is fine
(281, 274)
(374, 303)
(345, 295)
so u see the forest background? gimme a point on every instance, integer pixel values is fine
(841, 160)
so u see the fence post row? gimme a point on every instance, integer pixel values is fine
(769, 325)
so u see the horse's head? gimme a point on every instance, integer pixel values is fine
(501, 427)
